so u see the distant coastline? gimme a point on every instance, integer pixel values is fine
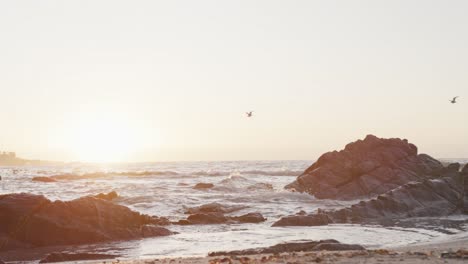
(10, 159)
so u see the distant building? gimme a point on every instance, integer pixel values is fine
(8, 158)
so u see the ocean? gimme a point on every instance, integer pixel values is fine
(166, 189)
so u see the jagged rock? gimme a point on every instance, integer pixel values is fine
(214, 208)
(43, 179)
(330, 245)
(201, 186)
(429, 198)
(109, 196)
(219, 218)
(60, 257)
(366, 168)
(28, 220)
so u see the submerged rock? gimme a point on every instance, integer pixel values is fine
(214, 208)
(429, 198)
(28, 220)
(43, 179)
(366, 168)
(202, 185)
(60, 257)
(329, 245)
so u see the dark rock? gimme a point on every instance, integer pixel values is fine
(304, 220)
(43, 179)
(366, 168)
(464, 171)
(249, 218)
(219, 218)
(430, 198)
(453, 167)
(214, 208)
(331, 245)
(206, 219)
(28, 220)
(201, 186)
(452, 170)
(109, 196)
(60, 257)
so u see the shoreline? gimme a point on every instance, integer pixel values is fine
(428, 252)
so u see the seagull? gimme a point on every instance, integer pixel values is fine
(454, 100)
(249, 114)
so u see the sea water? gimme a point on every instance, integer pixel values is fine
(166, 189)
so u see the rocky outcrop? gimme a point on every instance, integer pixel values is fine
(365, 169)
(43, 179)
(61, 257)
(28, 220)
(329, 245)
(428, 198)
(219, 218)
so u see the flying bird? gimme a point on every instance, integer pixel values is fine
(249, 114)
(454, 100)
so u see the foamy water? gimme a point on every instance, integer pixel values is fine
(165, 189)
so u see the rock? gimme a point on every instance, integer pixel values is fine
(249, 218)
(1, 261)
(337, 247)
(429, 198)
(201, 186)
(331, 245)
(304, 220)
(43, 179)
(460, 254)
(109, 196)
(214, 208)
(28, 220)
(452, 170)
(219, 218)
(365, 169)
(206, 219)
(60, 257)
(464, 171)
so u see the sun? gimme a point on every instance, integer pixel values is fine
(102, 138)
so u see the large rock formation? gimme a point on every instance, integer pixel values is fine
(366, 168)
(427, 198)
(28, 220)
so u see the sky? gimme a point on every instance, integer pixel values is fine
(113, 80)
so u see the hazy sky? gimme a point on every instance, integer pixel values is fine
(171, 80)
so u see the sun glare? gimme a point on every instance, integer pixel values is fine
(103, 139)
